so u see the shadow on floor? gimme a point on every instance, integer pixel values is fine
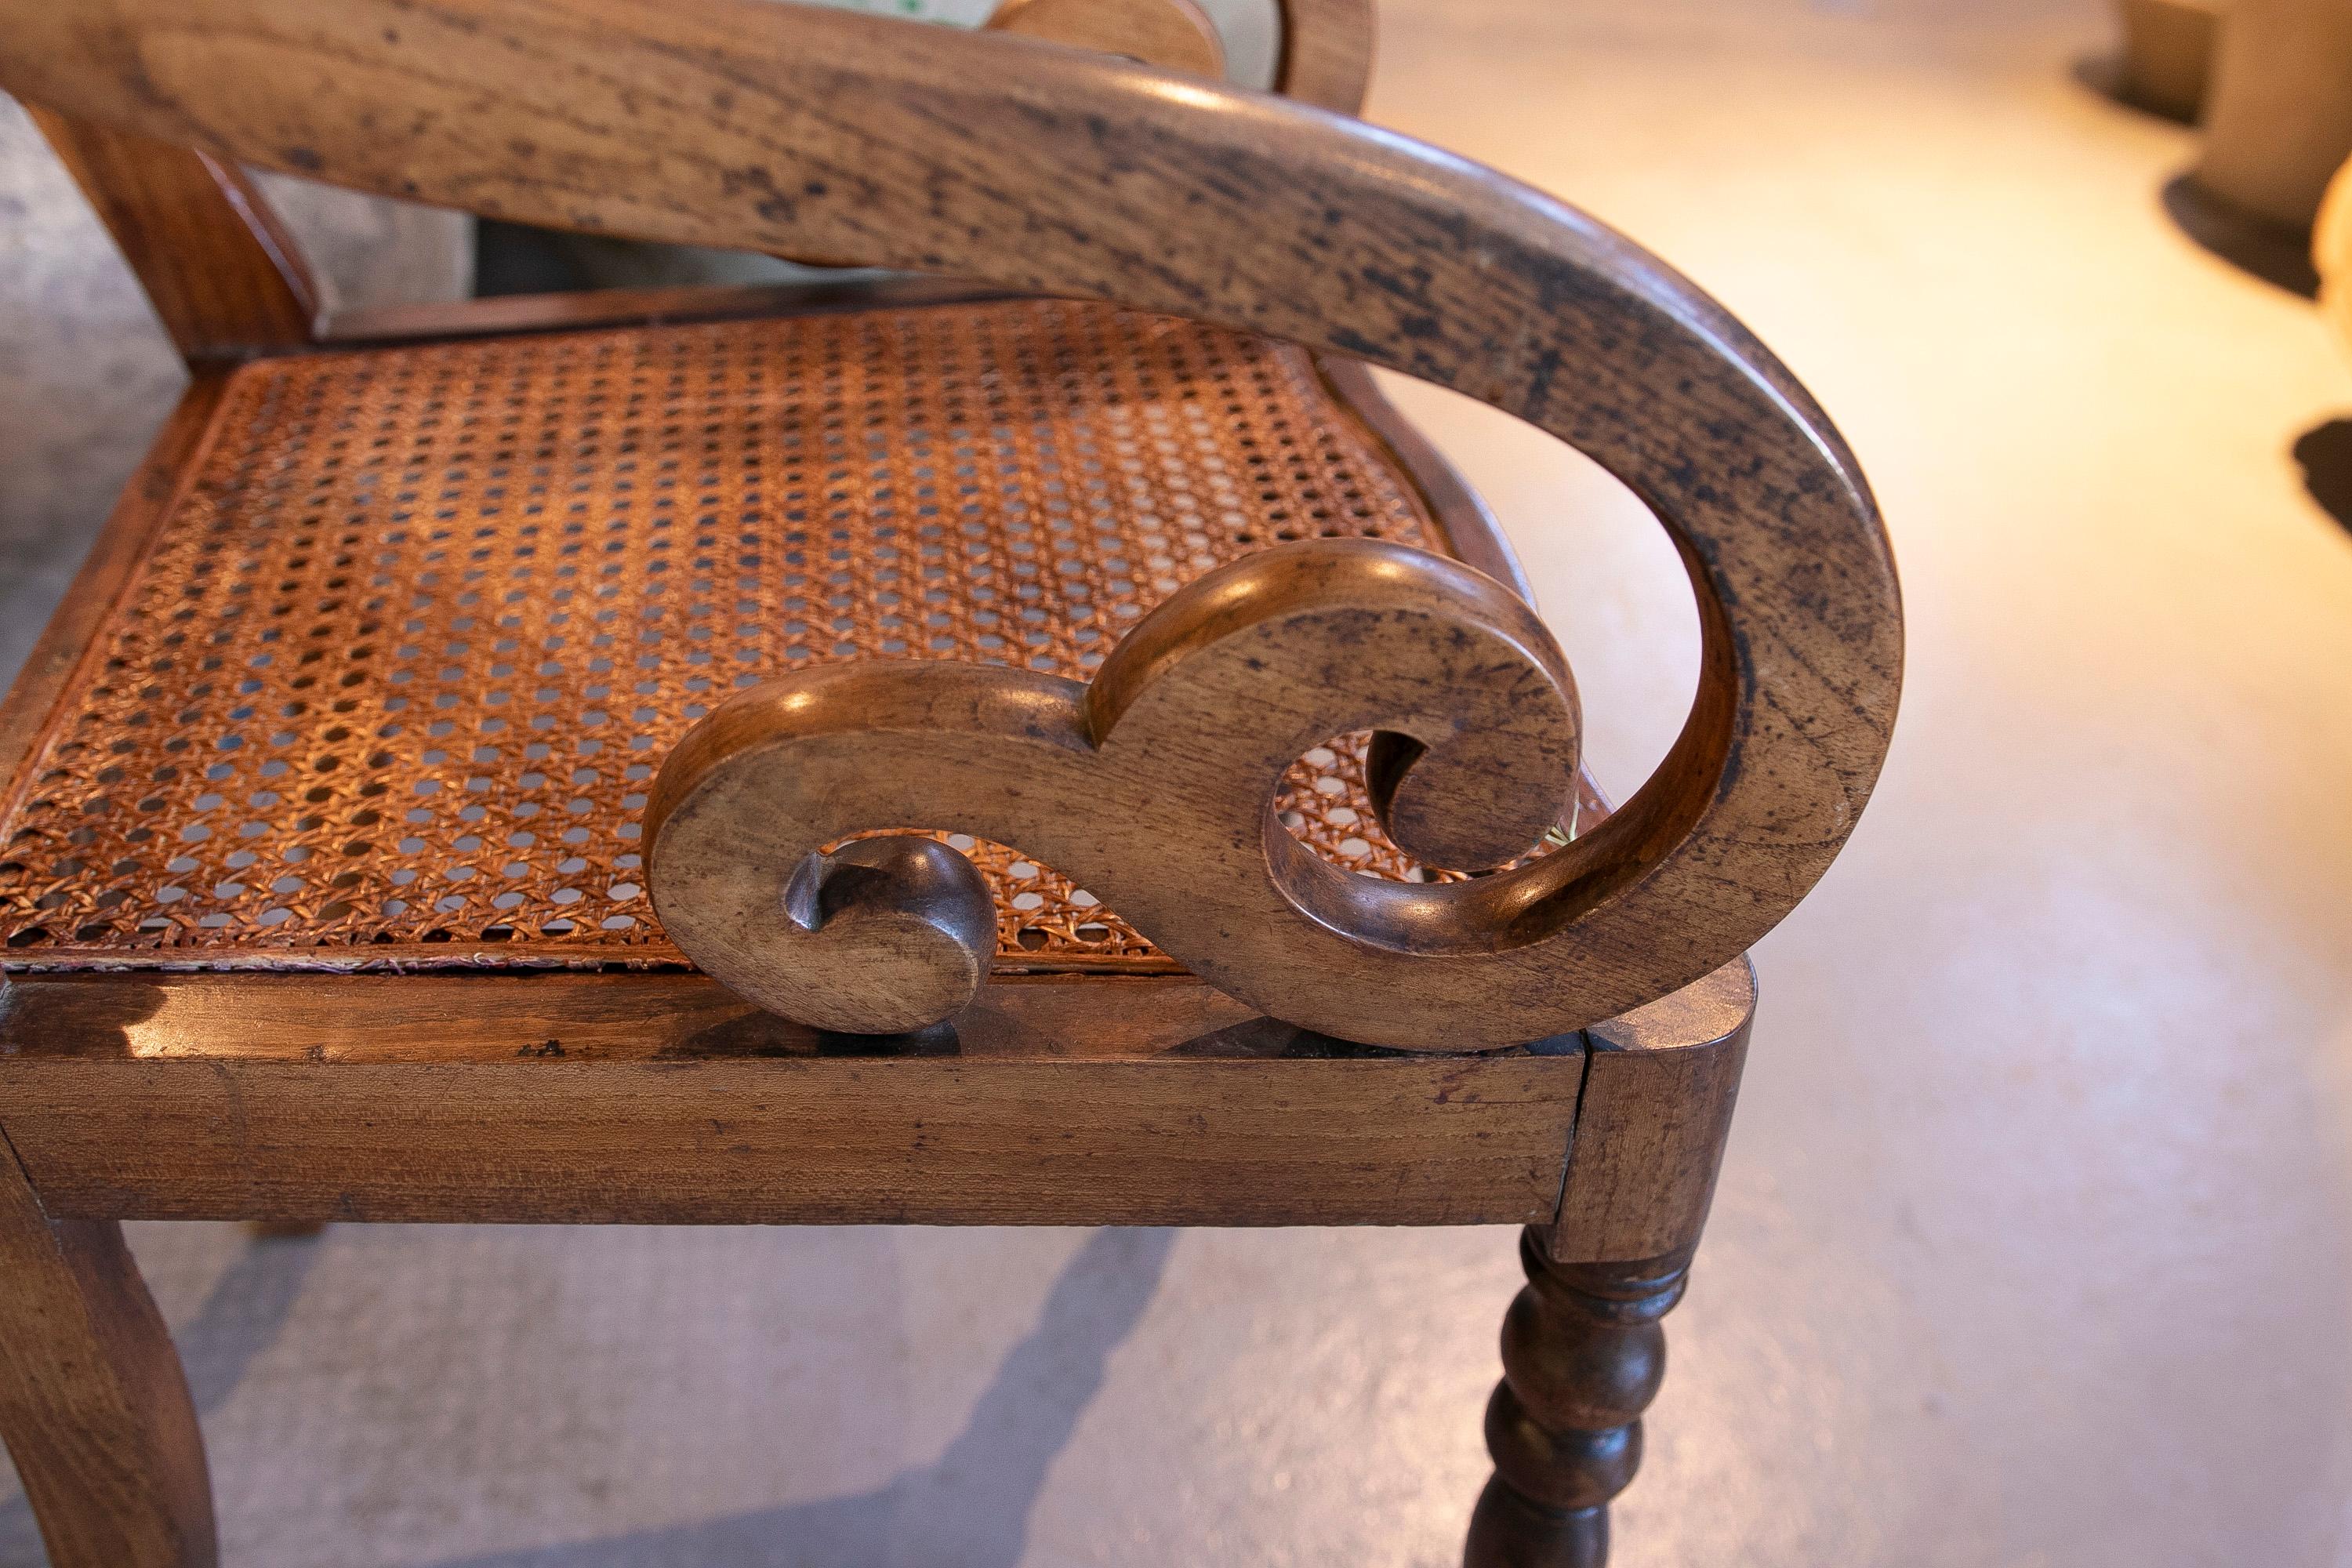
(2279, 257)
(241, 1318)
(971, 1507)
(2105, 75)
(2323, 453)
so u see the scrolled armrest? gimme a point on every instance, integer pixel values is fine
(1152, 785)
(738, 122)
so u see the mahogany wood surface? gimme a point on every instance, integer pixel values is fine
(1189, 723)
(1047, 169)
(227, 278)
(1055, 170)
(92, 1402)
(1060, 1099)
(1582, 1356)
(664, 1098)
(1660, 1084)
(223, 275)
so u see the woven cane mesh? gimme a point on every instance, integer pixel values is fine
(390, 683)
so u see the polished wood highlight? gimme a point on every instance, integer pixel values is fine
(1188, 725)
(1660, 1084)
(1390, 253)
(92, 1402)
(224, 277)
(667, 1096)
(1584, 1354)
(1173, 34)
(663, 1098)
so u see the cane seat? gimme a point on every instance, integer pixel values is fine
(389, 684)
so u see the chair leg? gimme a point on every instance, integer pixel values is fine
(1583, 1354)
(93, 1403)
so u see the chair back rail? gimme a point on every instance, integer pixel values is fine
(228, 281)
(737, 122)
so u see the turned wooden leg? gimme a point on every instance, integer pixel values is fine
(1583, 1354)
(92, 1401)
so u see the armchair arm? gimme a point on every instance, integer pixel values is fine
(746, 124)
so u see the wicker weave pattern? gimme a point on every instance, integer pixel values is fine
(389, 687)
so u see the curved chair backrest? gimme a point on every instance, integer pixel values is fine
(748, 124)
(227, 278)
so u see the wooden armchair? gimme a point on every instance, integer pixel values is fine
(451, 792)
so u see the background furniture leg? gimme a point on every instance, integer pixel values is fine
(92, 1402)
(1583, 1354)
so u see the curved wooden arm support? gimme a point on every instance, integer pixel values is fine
(1154, 786)
(737, 122)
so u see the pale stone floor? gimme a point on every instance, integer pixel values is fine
(2032, 1248)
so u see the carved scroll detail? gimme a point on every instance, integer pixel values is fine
(1066, 172)
(1189, 726)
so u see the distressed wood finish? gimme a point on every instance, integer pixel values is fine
(1173, 34)
(889, 935)
(224, 277)
(92, 1401)
(662, 1098)
(1584, 1354)
(725, 123)
(1659, 1085)
(1188, 724)
(737, 122)
(227, 280)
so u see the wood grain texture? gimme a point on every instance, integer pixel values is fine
(652, 1016)
(1189, 725)
(771, 126)
(223, 275)
(1172, 33)
(891, 934)
(92, 1401)
(1326, 52)
(504, 315)
(665, 1099)
(1583, 1355)
(1660, 1085)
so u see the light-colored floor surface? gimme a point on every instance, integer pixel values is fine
(2031, 1250)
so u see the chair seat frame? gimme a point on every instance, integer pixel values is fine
(586, 1097)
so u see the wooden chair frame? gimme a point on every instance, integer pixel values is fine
(579, 1098)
